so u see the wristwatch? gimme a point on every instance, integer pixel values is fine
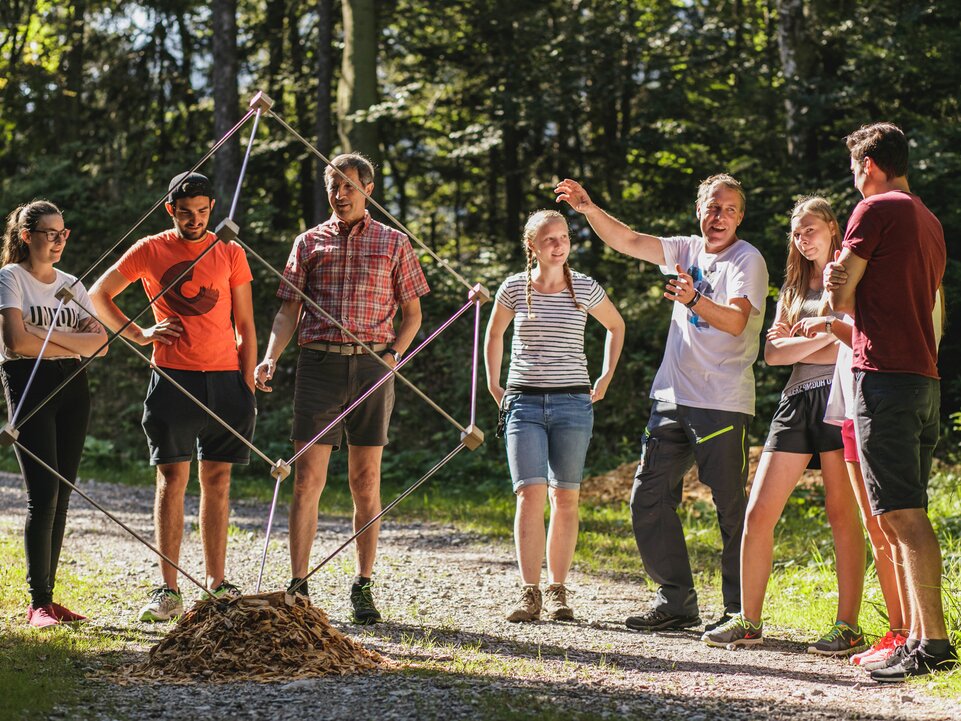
(828, 324)
(392, 352)
(693, 301)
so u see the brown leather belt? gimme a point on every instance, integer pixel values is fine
(345, 348)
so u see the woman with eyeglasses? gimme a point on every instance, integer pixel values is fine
(548, 409)
(35, 324)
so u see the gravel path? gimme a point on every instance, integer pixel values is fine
(443, 594)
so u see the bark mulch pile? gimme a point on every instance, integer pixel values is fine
(266, 637)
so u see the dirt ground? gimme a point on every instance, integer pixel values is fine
(443, 594)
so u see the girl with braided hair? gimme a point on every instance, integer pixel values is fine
(34, 241)
(548, 403)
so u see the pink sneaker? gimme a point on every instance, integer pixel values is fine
(880, 659)
(42, 617)
(886, 641)
(65, 615)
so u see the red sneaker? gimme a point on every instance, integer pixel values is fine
(882, 644)
(42, 617)
(65, 615)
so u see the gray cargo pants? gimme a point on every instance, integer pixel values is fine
(676, 437)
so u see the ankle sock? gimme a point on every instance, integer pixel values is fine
(361, 580)
(912, 643)
(939, 647)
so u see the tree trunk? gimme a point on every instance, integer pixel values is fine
(798, 64)
(357, 91)
(325, 75)
(226, 103)
(72, 68)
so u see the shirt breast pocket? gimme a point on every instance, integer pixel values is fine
(374, 271)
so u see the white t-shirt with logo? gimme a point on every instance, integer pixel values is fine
(38, 302)
(704, 367)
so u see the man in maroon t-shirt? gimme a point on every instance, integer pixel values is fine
(887, 276)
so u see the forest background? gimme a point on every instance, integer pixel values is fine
(472, 110)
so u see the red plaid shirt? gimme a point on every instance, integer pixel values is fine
(359, 276)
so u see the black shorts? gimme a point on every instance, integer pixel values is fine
(798, 426)
(326, 384)
(897, 415)
(174, 424)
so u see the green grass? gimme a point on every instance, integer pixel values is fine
(41, 669)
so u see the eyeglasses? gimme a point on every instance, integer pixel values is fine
(54, 235)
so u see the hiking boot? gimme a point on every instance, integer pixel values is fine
(42, 617)
(719, 622)
(302, 592)
(880, 649)
(738, 631)
(65, 615)
(555, 603)
(362, 601)
(529, 606)
(655, 620)
(165, 604)
(224, 591)
(915, 663)
(841, 640)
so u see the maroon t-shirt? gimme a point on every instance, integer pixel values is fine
(903, 243)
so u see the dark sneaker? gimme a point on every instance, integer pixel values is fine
(302, 592)
(224, 591)
(915, 663)
(362, 600)
(529, 606)
(738, 631)
(841, 640)
(719, 622)
(165, 604)
(555, 603)
(655, 620)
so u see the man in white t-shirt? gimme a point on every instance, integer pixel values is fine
(703, 392)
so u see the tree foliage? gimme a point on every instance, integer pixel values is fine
(479, 107)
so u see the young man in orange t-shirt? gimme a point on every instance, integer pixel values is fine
(204, 339)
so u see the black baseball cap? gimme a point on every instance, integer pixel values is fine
(189, 185)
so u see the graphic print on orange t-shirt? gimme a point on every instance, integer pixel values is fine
(202, 302)
(201, 299)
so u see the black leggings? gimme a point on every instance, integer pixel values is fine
(56, 434)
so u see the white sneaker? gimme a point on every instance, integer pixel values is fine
(165, 604)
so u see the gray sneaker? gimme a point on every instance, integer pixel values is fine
(841, 640)
(529, 606)
(165, 604)
(555, 603)
(736, 632)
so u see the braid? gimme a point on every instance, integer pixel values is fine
(570, 286)
(527, 288)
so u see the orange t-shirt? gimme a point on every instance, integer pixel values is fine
(201, 299)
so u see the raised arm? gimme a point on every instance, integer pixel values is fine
(285, 323)
(730, 317)
(608, 228)
(607, 315)
(108, 287)
(501, 317)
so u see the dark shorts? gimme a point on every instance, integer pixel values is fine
(850, 442)
(326, 384)
(174, 424)
(897, 415)
(798, 426)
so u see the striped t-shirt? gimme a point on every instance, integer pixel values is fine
(547, 351)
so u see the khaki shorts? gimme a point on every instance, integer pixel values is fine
(326, 384)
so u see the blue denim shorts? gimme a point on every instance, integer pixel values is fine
(547, 436)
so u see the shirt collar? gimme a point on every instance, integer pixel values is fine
(357, 229)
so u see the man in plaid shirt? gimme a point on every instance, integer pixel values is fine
(359, 271)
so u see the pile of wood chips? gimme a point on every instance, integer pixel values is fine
(267, 637)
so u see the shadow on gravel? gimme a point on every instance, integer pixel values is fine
(739, 664)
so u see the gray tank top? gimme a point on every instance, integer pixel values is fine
(807, 376)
